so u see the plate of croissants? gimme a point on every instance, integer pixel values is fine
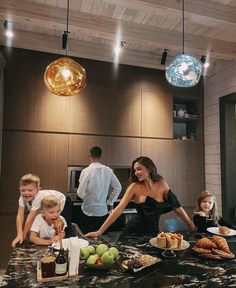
(215, 248)
(168, 240)
(222, 231)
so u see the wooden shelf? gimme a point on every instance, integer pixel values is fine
(184, 119)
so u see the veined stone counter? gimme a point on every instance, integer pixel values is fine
(185, 270)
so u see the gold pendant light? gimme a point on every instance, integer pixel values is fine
(64, 76)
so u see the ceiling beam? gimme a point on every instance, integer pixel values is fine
(201, 11)
(82, 49)
(51, 17)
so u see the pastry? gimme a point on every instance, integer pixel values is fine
(205, 243)
(180, 239)
(223, 254)
(224, 230)
(201, 250)
(58, 226)
(161, 240)
(221, 243)
(171, 241)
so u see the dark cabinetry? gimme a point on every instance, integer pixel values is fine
(187, 113)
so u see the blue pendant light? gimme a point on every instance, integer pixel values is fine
(185, 70)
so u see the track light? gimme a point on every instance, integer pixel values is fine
(8, 26)
(65, 40)
(204, 61)
(164, 56)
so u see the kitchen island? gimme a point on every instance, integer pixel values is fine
(185, 270)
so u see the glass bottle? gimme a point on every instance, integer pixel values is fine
(61, 263)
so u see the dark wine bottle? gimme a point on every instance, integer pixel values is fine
(61, 263)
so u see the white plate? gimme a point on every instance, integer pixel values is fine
(152, 260)
(66, 243)
(215, 230)
(153, 242)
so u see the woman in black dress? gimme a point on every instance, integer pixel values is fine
(152, 196)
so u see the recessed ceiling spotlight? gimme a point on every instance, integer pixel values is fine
(8, 26)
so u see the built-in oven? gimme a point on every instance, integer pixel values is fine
(73, 178)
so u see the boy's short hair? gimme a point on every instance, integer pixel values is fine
(49, 202)
(30, 179)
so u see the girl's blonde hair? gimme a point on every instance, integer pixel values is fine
(213, 213)
(30, 179)
(49, 202)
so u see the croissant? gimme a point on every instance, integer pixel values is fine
(224, 230)
(221, 243)
(58, 226)
(205, 243)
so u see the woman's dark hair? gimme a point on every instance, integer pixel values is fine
(148, 163)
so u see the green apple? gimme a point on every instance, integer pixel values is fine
(108, 257)
(101, 248)
(92, 259)
(114, 251)
(91, 249)
(84, 253)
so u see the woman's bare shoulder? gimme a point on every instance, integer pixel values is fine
(134, 185)
(163, 184)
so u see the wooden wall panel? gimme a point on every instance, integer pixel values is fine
(122, 151)
(157, 115)
(50, 159)
(88, 110)
(188, 171)
(161, 152)
(17, 151)
(79, 146)
(19, 102)
(154, 81)
(51, 111)
(125, 112)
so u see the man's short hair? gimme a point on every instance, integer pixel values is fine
(96, 152)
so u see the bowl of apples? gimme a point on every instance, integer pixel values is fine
(100, 258)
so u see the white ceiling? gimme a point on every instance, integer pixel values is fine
(147, 26)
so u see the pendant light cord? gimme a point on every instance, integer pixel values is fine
(67, 24)
(183, 26)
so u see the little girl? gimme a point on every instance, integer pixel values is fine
(206, 214)
(43, 230)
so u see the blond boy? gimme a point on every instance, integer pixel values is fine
(43, 230)
(30, 198)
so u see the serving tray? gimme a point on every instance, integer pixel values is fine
(40, 279)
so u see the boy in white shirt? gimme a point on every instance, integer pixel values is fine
(31, 197)
(44, 230)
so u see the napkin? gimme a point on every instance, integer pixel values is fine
(74, 255)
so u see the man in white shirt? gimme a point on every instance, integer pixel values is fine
(94, 184)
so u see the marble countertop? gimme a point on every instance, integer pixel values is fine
(185, 270)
